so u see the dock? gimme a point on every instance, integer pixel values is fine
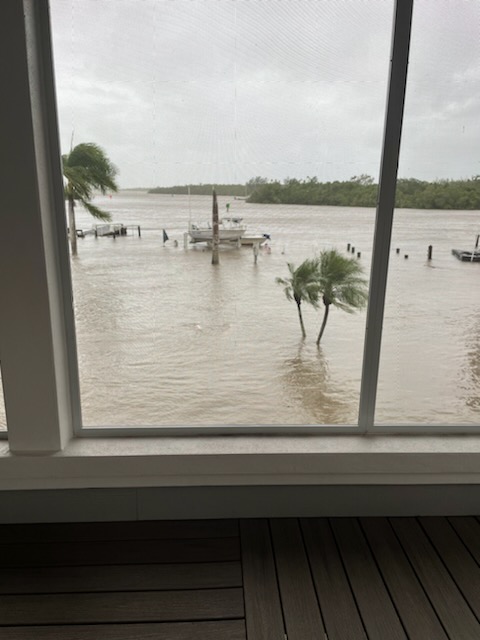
(467, 256)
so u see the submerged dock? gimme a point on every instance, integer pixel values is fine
(467, 256)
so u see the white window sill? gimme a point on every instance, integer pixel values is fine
(246, 460)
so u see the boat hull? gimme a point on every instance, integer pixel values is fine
(251, 240)
(206, 235)
(229, 230)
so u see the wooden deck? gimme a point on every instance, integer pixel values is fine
(334, 579)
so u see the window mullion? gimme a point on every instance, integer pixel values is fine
(385, 208)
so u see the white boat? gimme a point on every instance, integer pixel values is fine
(229, 230)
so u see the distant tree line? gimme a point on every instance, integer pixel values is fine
(361, 191)
(203, 190)
(239, 190)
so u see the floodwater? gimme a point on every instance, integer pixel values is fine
(165, 338)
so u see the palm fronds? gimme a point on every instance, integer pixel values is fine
(330, 277)
(86, 169)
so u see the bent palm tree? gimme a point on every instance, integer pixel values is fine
(86, 168)
(340, 283)
(301, 286)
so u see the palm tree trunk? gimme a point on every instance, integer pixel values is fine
(324, 323)
(71, 225)
(304, 335)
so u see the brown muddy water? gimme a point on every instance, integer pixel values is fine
(165, 338)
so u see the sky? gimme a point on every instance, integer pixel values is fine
(220, 91)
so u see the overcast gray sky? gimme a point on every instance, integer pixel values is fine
(218, 91)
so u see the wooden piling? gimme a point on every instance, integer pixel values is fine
(215, 234)
(139, 232)
(348, 246)
(255, 252)
(430, 249)
(359, 254)
(476, 241)
(353, 249)
(406, 256)
(397, 251)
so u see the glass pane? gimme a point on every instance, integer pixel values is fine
(281, 106)
(431, 342)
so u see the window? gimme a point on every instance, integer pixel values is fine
(432, 303)
(53, 393)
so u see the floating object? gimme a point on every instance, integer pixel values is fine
(253, 240)
(467, 256)
(165, 236)
(406, 256)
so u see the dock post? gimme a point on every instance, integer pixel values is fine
(353, 249)
(430, 248)
(398, 251)
(406, 256)
(255, 252)
(185, 240)
(348, 247)
(476, 241)
(139, 232)
(359, 254)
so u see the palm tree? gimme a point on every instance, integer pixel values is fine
(86, 168)
(301, 286)
(340, 283)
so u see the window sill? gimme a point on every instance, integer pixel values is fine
(246, 461)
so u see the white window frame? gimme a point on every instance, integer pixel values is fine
(47, 448)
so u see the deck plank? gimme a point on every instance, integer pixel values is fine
(378, 613)
(263, 610)
(134, 606)
(119, 552)
(339, 611)
(299, 602)
(221, 630)
(451, 608)
(139, 530)
(462, 567)
(468, 529)
(143, 577)
(413, 606)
